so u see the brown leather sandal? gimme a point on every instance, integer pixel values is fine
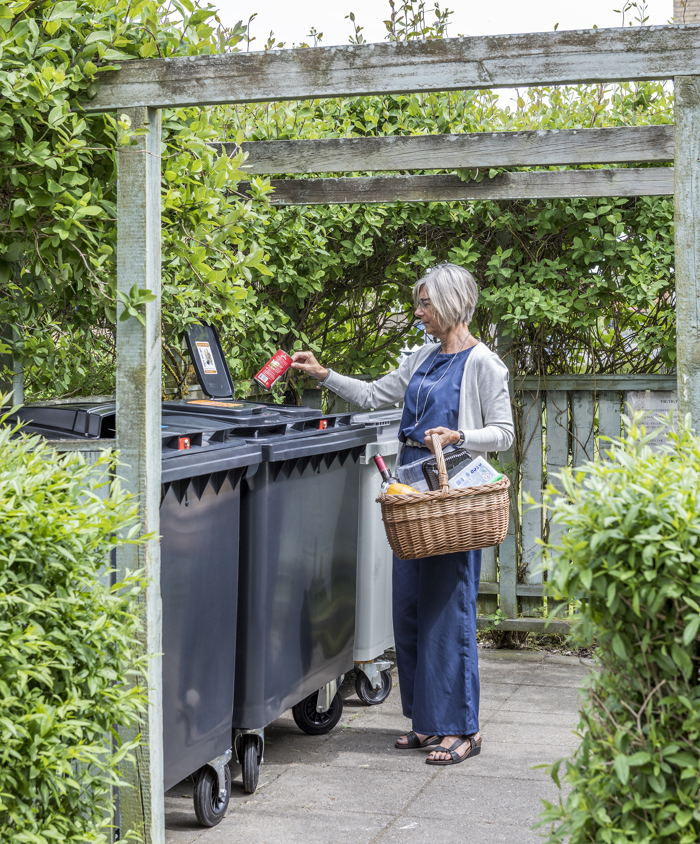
(474, 750)
(414, 743)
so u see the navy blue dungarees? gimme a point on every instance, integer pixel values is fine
(434, 599)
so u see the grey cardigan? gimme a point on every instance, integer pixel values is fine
(485, 414)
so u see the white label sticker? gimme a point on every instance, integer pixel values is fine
(207, 358)
(655, 403)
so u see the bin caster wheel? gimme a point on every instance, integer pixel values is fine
(317, 723)
(209, 807)
(250, 763)
(368, 695)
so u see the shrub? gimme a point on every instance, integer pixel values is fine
(630, 550)
(69, 673)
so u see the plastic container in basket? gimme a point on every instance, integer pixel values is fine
(426, 524)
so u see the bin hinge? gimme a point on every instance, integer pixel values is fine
(219, 764)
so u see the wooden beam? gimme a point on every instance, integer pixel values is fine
(623, 145)
(495, 61)
(547, 383)
(139, 441)
(526, 625)
(687, 241)
(544, 184)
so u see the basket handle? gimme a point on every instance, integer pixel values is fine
(443, 479)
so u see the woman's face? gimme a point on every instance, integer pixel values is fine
(426, 314)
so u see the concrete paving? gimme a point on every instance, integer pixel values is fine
(353, 786)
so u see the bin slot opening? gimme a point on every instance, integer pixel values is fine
(337, 420)
(182, 441)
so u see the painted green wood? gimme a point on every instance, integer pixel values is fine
(541, 184)
(620, 145)
(138, 360)
(609, 423)
(596, 382)
(687, 243)
(582, 427)
(451, 64)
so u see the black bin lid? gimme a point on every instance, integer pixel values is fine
(208, 360)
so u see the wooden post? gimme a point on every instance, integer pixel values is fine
(507, 551)
(139, 441)
(687, 238)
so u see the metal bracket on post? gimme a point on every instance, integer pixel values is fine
(219, 765)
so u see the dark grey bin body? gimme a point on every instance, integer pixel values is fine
(199, 524)
(296, 607)
(200, 521)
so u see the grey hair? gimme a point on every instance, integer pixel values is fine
(452, 292)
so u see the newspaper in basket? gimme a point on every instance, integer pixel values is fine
(425, 524)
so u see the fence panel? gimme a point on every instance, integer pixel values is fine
(531, 486)
(609, 423)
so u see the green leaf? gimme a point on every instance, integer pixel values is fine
(621, 766)
(691, 630)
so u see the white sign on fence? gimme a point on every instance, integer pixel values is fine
(655, 403)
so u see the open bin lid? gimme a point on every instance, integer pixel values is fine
(208, 361)
(216, 382)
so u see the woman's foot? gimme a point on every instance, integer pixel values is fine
(470, 746)
(413, 741)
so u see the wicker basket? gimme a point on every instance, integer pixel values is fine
(425, 524)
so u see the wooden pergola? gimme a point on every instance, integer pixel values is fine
(142, 88)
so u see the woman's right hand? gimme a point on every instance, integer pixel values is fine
(306, 361)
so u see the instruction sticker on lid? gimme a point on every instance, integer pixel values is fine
(215, 403)
(207, 358)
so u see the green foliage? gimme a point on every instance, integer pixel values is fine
(58, 187)
(581, 285)
(630, 550)
(69, 672)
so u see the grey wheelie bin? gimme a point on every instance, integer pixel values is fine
(297, 586)
(374, 631)
(202, 475)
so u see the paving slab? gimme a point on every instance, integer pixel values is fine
(352, 785)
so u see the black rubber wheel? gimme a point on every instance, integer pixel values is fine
(317, 723)
(208, 806)
(250, 763)
(370, 696)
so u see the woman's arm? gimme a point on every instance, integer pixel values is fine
(497, 431)
(388, 389)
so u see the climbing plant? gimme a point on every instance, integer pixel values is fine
(580, 285)
(58, 187)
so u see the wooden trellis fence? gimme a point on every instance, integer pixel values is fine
(142, 88)
(564, 421)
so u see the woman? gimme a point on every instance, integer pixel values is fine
(457, 389)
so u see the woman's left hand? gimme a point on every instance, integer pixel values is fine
(447, 437)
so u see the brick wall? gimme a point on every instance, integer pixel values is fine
(686, 12)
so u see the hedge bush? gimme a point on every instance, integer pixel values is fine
(630, 550)
(69, 672)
